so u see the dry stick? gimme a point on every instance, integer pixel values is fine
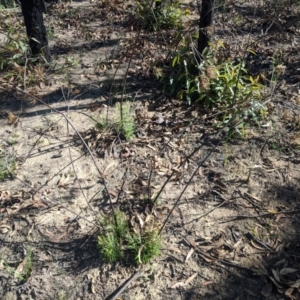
(200, 164)
(171, 175)
(216, 261)
(193, 175)
(51, 199)
(83, 141)
(150, 3)
(149, 185)
(50, 178)
(247, 198)
(259, 242)
(241, 217)
(25, 69)
(125, 80)
(72, 162)
(123, 183)
(208, 212)
(190, 180)
(37, 141)
(121, 289)
(208, 155)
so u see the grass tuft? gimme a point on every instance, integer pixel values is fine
(117, 242)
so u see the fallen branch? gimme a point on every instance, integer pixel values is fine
(121, 288)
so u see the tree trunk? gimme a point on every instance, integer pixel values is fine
(205, 24)
(33, 17)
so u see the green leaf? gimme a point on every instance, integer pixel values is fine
(174, 61)
(34, 39)
(251, 51)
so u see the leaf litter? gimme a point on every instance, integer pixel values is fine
(238, 215)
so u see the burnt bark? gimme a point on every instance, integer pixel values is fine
(33, 18)
(205, 24)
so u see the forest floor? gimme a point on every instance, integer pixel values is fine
(234, 232)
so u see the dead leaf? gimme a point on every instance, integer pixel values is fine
(17, 206)
(159, 119)
(141, 182)
(287, 271)
(5, 195)
(191, 278)
(281, 262)
(11, 118)
(141, 221)
(207, 258)
(189, 254)
(181, 283)
(267, 290)
(125, 153)
(175, 249)
(255, 246)
(289, 292)
(23, 267)
(93, 290)
(276, 283)
(276, 275)
(112, 193)
(260, 270)
(139, 253)
(177, 284)
(207, 283)
(250, 292)
(111, 164)
(4, 228)
(296, 284)
(64, 180)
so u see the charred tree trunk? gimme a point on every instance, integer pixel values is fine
(205, 24)
(33, 17)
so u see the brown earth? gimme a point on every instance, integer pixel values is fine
(234, 231)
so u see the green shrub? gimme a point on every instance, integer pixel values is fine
(8, 4)
(224, 87)
(156, 15)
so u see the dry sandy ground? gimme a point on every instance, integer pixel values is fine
(234, 233)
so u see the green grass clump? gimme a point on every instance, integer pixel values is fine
(117, 242)
(7, 168)
(144, 247)
(158, 15)
(4, 4)
(23, 272)
(122, 122)
(111, 239)
(125, 120)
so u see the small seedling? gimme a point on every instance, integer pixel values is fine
(24, 270)
(122, 122)
(144, 247)
(12, 142)
(125, 120)
(110, 241)
(102, 122)
(117, 242)
(7, 168)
